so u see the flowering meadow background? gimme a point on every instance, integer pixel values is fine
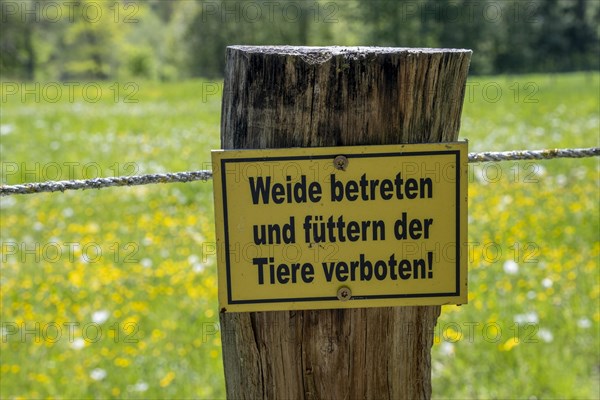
(112, 293)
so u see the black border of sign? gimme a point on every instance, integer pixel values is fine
(331, 156)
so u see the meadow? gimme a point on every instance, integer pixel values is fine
(112, 293)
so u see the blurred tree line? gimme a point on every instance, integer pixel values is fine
(169, 40)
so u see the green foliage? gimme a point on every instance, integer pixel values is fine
(506, 36)
(149, 281)
(218, 24)
(91, 42)
(17, 54)
(167, 40)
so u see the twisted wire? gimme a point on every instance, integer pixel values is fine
(191, 176)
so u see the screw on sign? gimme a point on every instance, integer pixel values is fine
(344, 293)
(340, 162)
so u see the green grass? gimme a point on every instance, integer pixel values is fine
(133, 260)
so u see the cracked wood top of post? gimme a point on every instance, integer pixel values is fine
(337, 50)
(317, 55)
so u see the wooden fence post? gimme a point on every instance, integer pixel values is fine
(277, 97)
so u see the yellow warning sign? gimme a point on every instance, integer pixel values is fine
(341, 227)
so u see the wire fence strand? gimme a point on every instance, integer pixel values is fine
(191, 176)
(534, 154)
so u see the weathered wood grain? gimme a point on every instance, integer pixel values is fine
(277, 97)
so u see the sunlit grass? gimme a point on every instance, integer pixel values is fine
(122, 284)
